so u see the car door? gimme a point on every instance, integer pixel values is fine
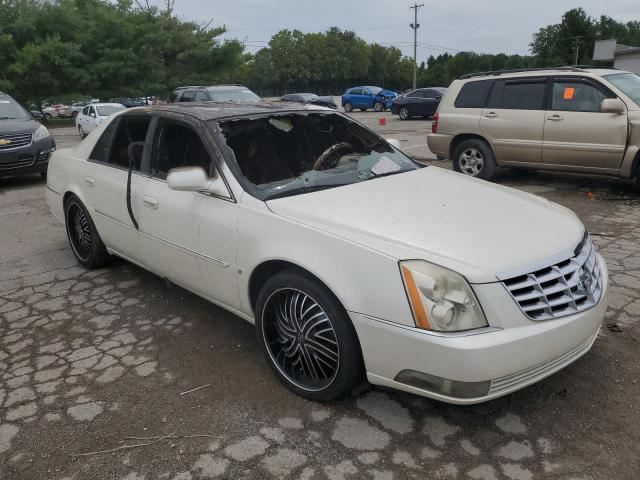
(106, 182)
(513, 119)
(576, 131)
(91, 120)
(368, 98)
(188, 237)
(356, 97)
(430, 102)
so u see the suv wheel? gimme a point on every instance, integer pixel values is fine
(307, 337)
(378, 107)
(348, 107)
(474, 158)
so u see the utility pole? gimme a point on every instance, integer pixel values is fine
(576, 47)
(415, 26)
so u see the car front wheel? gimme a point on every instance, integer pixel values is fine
(83, 237)
(474, 158)
(307, 337)
(378, 106)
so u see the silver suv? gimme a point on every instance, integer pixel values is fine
(580, 119)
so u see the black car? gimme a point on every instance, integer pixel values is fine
(25, 145)
(214, 93)
(310, 98)
(422, 102)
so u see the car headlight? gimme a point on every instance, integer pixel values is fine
(41, 133)
(441, 299)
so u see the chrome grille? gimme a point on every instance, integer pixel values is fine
(15, 140)
(566, 287)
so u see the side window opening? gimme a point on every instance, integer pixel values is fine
(188, 96)
(522, 95)
(100, 152)
(178, 145)
(130, 129)
(201, 96)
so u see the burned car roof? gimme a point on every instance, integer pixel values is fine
(218, 110)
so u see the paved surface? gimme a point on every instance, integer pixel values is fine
(90, 358)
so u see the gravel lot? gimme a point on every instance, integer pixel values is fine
(90, 358)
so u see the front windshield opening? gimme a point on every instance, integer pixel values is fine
(234, 95)
(10, 110)
(628, 83)
(375, 90)
(290, 154)
(106, 110)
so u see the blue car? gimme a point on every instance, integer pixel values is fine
(367, 97)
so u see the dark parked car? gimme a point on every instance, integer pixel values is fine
(214, 93)
(422, 102)
(25, 145)
(128, 102)
(310, 98)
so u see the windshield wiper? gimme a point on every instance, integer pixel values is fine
(304, 189)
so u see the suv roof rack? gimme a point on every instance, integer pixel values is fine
(570, 68)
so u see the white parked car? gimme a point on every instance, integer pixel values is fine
(93, 115)
(353, 261)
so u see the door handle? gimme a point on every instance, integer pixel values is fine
(555, 118)
(491, 115)
(90, 181)
(150, 202)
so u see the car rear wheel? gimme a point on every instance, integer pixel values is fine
(348, 107)
(474, 158)
(307, 337)
(378, 106)
(81, 131)
(404, 113)
(47, 116)
(83, 237)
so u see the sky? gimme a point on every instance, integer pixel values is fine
(483, 26)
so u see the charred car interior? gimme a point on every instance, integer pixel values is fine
(284, 153)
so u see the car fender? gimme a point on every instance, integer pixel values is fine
(363, 280)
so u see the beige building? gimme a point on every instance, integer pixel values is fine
(624, 57)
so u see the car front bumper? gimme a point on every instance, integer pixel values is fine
(33, 158)
(506, 359)
(439, 144)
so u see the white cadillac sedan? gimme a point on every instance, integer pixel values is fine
(93, 115)
(353, 261)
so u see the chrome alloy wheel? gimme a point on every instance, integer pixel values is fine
(300, 339)
(471, 161)
(79, 232)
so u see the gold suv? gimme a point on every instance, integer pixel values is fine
(580, 119)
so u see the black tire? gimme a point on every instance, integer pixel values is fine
(363, 109)
(475, 158)
(47, 116)
(81, 131)
(43, 174)
(86, 244)
(378, 106)
(404, 113)
(348, 107)
(288, 339)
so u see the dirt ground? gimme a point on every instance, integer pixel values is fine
(89, 359)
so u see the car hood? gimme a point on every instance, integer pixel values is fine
(14, 126)
(474, 227)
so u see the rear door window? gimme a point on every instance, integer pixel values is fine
(188, 96)
(473, 94)
(524, 95)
